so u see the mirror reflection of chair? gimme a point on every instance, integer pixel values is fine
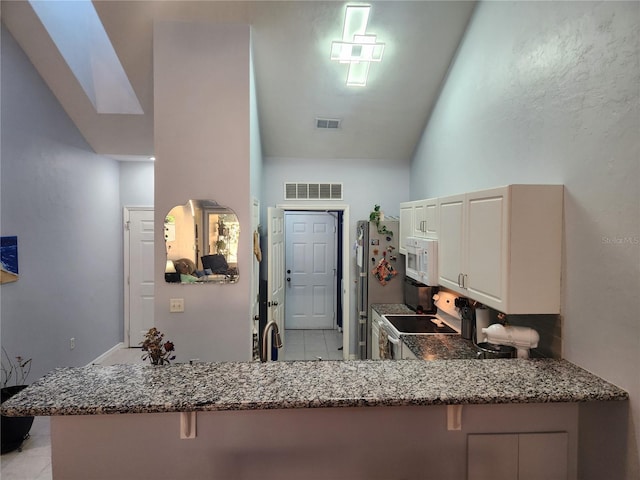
(216, 263)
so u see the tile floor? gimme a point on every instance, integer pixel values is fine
(311, 345)
(34, 461)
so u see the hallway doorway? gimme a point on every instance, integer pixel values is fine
(311, 240)
(341, 285)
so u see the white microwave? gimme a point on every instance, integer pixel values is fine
(422, 260)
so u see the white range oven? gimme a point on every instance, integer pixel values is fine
(394, 346)
(394, 327)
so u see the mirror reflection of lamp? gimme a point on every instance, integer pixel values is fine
(170, 273)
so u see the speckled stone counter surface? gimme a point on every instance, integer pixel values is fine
(280, 385)
(391, 308)
(440, 347)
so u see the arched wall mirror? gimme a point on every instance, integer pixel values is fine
(201, 239)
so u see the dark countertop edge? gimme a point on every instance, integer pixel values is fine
(310, 404)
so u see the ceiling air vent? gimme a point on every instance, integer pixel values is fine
(313, 191)
(328, 123)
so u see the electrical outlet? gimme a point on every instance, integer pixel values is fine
(72, 343)
(176, 305)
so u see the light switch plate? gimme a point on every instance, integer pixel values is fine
(176, 305)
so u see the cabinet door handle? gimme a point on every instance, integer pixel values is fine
(459, 280)
(464, 281)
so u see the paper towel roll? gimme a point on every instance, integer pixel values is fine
(482, 321)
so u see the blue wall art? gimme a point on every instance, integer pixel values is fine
(9, 259)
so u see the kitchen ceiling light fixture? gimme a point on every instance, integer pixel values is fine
(357, 47)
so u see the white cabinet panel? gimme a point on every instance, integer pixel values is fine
(406, 225)
(450, 243)
(502, 247)
(418, 218)
(425, 218)
(487, 252)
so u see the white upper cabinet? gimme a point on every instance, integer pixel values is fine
(418, 219)
(502, 247)
(406, 225)
(425, 218)
(450, 245)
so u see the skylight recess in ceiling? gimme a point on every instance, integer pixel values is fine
(76, 29)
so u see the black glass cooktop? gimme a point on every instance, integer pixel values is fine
(417, 324)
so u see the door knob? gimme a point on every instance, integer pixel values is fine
(288, 279)
(275, 304)
(288, 271)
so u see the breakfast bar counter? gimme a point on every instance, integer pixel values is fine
(285, 420)
(117, 389)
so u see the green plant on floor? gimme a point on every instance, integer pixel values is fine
(17, 370)
(376, 216)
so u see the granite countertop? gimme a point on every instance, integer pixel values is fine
(95, 390)
(391, 308)
(440, 347)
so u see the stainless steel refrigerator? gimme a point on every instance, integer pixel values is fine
(380, 276)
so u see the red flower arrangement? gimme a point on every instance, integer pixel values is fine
(157, 351)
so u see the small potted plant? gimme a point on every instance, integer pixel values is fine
(157, 351)
(376, 216)
(14, 430)
(221, 247)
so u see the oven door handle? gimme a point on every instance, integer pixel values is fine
(395, 341)
(390, 336)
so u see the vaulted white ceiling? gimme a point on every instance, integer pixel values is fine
(296, 81)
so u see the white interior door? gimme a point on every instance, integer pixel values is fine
(139, 275)
(310, 270)
(275, 268)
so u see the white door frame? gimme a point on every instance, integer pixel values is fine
(255, 271)
(125, 255)
(346, 271)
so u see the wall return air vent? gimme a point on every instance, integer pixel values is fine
(313, 191)
(328, 123)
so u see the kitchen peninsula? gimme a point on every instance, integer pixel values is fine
(305, 419)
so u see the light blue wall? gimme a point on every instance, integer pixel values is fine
(365, 184)
(548, 92)
(62, 201)
(136, 184)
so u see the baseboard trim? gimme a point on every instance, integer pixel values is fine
(107, 353)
